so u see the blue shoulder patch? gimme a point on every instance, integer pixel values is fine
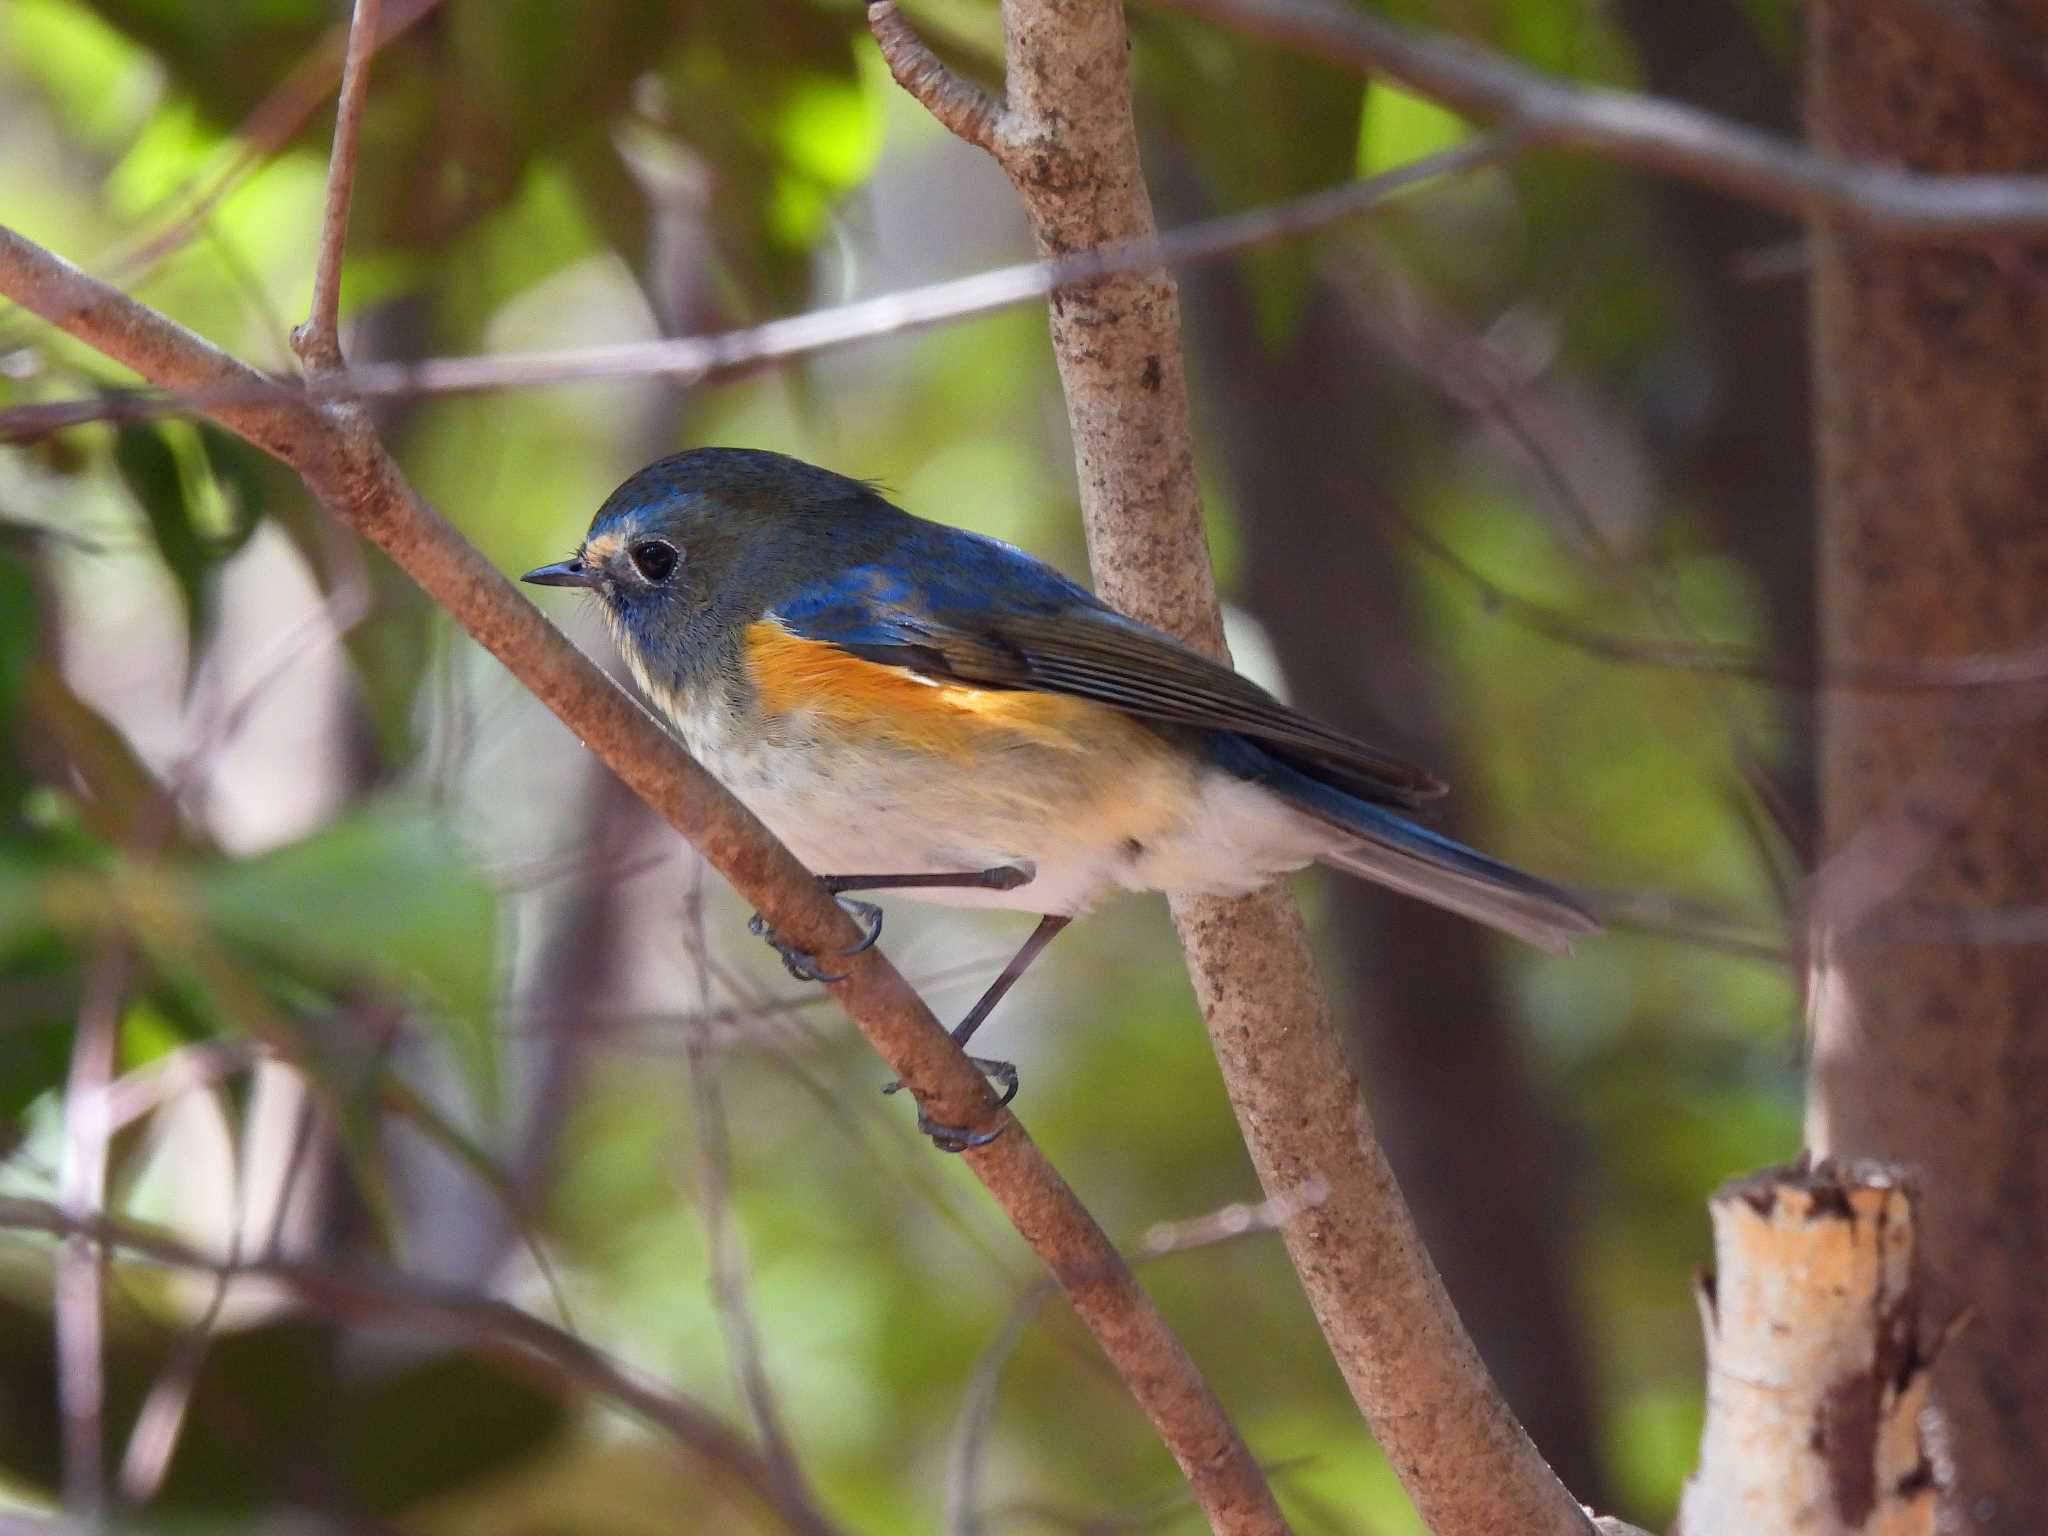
(937, 578)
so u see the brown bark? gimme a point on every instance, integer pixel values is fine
(1932, 369)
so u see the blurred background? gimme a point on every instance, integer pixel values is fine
(383, 969)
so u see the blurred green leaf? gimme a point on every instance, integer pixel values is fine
(772, 100)
(149, 467)
(230, 54)
(98, 79)
(1398, 127)
(385, 895)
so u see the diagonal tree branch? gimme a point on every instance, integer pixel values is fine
(1662, 136)
(350, 472)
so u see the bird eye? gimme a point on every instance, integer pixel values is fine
(655, 559)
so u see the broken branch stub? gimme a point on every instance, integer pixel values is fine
(1816, 1379)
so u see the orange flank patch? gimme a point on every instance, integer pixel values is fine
(795, 675)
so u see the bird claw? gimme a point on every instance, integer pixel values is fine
(801, 963)
(955, 1138)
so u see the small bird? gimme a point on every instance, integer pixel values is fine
(914, 707)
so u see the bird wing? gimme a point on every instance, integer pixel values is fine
(989, 615)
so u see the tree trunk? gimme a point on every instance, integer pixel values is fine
(1932, 1048)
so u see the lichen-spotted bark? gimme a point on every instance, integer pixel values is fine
(1931, 1037)
(1069, 143)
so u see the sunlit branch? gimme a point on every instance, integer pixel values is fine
(700, 359)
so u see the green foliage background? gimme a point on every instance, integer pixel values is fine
(372, 893)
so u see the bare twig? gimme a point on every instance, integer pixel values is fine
(2023, 669)
(318, 341)
(381, 1299)
(1226, 1225)
(964, 1515)
(713, 1183)
(1067, 141)
(156, 1083)
(82, 1187)
(349, 471)
(1662, 136)
(160, 1421)
(696, 359)
(964, 108)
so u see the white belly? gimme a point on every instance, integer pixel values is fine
(1083, 828)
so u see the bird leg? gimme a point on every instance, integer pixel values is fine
(949, 1138)
(804, 966)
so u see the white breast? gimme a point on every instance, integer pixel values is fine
(1085, 830)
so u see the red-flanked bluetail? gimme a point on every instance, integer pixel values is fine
(914, 707)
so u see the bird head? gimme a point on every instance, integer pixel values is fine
(698, 544)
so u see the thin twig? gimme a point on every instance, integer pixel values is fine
(318, 341)
(149, 1087)
(697, 359)
(1662, 136)
(713, 1145)
(160, 1422)
(965, 109)
(457, 1319)
(82, 1188)
(964, 1454)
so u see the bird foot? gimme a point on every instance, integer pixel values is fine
(801, 963)
(954, 1138)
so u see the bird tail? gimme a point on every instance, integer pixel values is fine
(1393, 851)
(1417, 862)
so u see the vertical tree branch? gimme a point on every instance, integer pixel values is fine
(318, 341)
(1066, 139)
(82, 1190)
(726, 1249)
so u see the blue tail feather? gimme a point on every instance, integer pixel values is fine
(1394, 851)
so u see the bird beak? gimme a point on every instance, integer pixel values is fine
(569, 573)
